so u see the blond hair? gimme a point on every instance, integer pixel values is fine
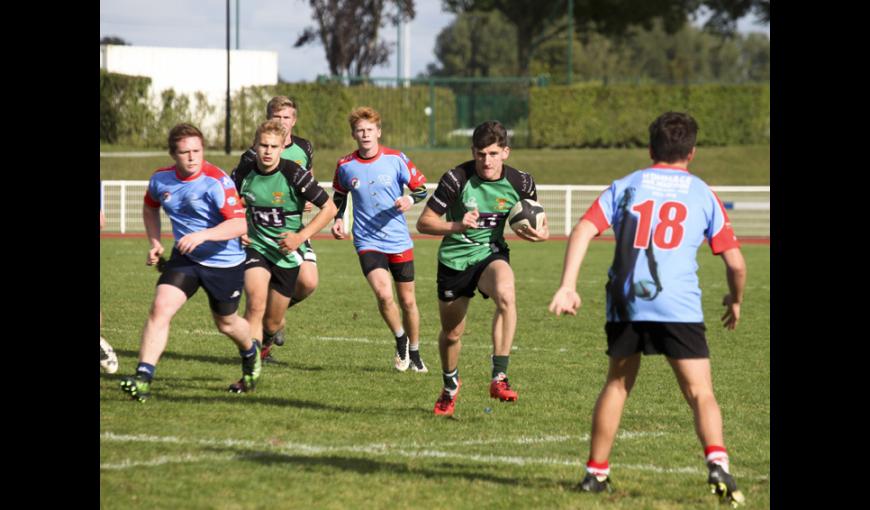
(270, 127)
(279, 103)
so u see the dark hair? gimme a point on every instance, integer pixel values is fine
(488, 133)
(672, 136)
(182, 131)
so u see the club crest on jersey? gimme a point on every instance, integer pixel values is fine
(385, 179)
(167, 196)
(354, 183)
(471, 203)
(277, 197)
(231, 200)
(501, 204)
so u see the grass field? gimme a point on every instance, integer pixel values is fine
(332, 425)
(718, 166)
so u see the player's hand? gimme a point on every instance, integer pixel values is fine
(565, 300)
(189, 242)
(469, 220)
(307, 207)
(154, 255)
(535, 235)
(404, 203)
(290, 241)
(732, 312)
(246, 241)
(338, 229)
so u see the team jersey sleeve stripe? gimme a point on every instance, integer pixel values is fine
(596, 215)
(723, 238)
(150, 202)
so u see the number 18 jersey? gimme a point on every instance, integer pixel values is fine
(660, 216)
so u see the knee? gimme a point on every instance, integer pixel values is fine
(408, 302)
(385, 298)
(225, 325)
(505, 298)
(255, 306)
(453, 336)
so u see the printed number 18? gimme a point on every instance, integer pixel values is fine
(671, 217)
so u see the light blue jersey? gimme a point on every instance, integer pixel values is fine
(375, 184)
(660, 216)
(196, 203)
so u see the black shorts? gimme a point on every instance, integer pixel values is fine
(401, 265)
(453, 284)
(309, 255)
(283, 280)
(223, 285)
(678, 340)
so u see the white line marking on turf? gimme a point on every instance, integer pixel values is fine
(372, 449)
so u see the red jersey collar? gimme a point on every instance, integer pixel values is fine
(366, 161)
(192, 177)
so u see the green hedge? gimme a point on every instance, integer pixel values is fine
(619, 115)
(321, 113)
(124, 110)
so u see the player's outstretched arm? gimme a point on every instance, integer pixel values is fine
(566, 299)
(735, 273)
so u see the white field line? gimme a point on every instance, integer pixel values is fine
(348, 339)
(379, 449)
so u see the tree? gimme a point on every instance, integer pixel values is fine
(114, 39)
(542, 20)
(348, 31)
(476, 44)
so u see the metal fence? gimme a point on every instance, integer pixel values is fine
(748, 207)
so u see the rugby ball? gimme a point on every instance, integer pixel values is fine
(525, 213)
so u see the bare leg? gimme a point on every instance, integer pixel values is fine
(696, 383)
(452, 326)
(497, 281)
(611, 401)
(168, 299)
(410, 313)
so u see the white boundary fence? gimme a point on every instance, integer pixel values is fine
(748, 207)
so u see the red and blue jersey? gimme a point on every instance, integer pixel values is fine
(375, 184)
(203, 200)
(660, 216)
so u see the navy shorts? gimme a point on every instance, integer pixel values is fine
(223, 285)
(283, 280)
(453, 284)
(678, 340)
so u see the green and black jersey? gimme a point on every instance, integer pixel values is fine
(301, 151)
(461, 190)
(274, 205)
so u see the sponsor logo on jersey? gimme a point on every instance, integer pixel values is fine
(501, 204)
(231, 200)
(227, 182)
(386, 180)
(277, 197)
(471, 203)
(268, 216)
(236, 294)
(167, 196)
(448, 293)
(354, 183)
